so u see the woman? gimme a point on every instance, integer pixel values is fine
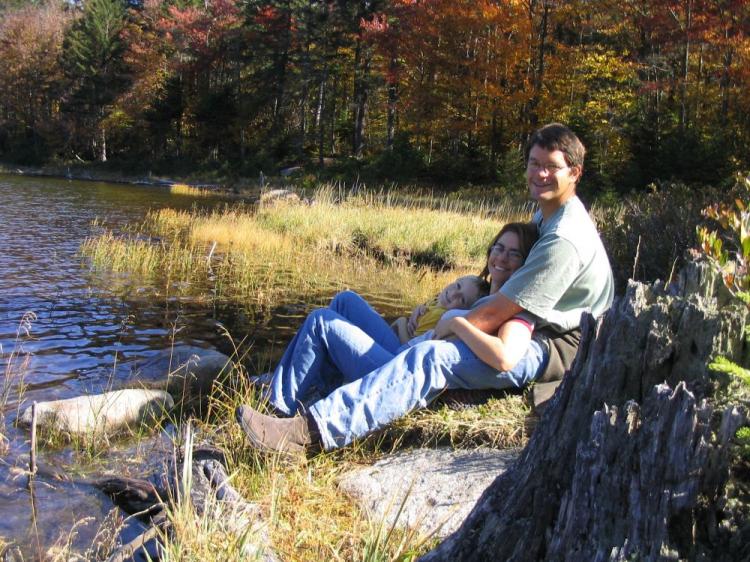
(338, 351)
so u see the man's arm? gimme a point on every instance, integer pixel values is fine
(487, 318)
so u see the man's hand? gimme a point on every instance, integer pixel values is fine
(490, 316)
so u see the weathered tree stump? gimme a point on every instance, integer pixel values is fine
(629, 460)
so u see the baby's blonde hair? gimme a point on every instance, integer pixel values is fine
(483, 286)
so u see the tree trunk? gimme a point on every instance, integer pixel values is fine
(103, 148)
(319, 116)
(627, 462)
(390, 130)
(280, 74)
(361, 77)
(332, 115)
(538, 63)
(686, 66)
(725, 81)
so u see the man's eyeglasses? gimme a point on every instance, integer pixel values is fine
(512, 254)
(534, 166)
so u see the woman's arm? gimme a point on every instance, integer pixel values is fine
(502, 351)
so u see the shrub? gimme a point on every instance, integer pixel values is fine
(647, 234)
(402, 162)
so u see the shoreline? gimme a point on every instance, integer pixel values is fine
(77, 174)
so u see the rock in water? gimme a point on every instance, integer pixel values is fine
(185, 372)
(432, 490)
(99, 414)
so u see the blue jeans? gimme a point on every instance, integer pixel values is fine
(353, 358)
(334, 345)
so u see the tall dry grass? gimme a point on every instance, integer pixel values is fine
(429, 233)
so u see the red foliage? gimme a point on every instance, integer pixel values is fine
(201, 35)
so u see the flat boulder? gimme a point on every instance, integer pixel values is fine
(277, 196)
(100, 414)
(430, 490)
(185, 372)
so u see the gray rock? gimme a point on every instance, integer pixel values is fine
(290, 171)
(185, 372)
(276, 195)
(441, 486)
(101, 414)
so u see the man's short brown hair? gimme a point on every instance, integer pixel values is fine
(556, 136)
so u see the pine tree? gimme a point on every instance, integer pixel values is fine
(92, 61)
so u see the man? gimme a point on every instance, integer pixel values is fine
(567, 273)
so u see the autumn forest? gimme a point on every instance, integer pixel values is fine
(407, 90)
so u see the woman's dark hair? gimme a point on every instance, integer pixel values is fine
(527, 233)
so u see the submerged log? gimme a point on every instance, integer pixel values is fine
(629, 460)
(211, 495)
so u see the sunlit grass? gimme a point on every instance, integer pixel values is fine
(501, 423)
(257, 266)
(439, 235)
(184, 189)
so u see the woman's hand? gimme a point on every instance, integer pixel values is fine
(416, 314)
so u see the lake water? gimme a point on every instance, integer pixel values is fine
(81, 325)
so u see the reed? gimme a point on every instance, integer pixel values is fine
(177, 264)
(15, 365)
(441, 235)
(193, 191)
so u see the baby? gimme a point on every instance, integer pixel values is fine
(460, 294)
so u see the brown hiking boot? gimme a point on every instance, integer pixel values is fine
(290, 436)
